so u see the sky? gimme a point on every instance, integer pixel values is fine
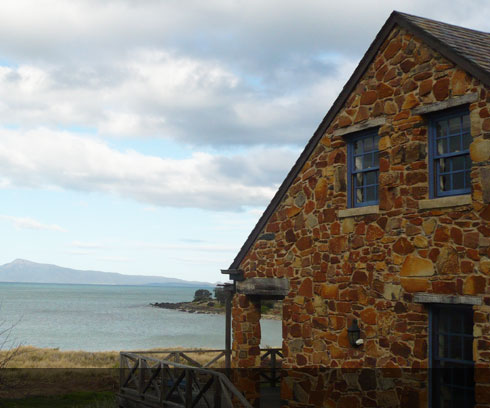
(147, 137)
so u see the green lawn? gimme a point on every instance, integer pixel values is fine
(73, 400)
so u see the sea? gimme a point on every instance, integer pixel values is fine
(103, 318)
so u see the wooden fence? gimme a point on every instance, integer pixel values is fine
(159, 379)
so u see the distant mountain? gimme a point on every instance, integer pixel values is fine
(22, 270)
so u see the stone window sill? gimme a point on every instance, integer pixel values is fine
(442, 202)
(354, 212)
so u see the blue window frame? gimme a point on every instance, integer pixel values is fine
(451, 356)
(363, 169)
(450, 163)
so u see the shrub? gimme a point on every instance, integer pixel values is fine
(202, 295)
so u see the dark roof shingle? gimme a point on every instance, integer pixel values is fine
(472, 45)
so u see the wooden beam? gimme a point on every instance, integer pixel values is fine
(229, 296)
(264, 287)
(235, 274)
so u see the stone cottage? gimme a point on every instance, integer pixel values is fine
(378, 240)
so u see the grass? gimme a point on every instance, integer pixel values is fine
(51, 373)
(33, 357)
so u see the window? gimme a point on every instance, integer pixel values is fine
(451, 356)
(450, 163)
(363, 165)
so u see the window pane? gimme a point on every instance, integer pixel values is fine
(455, 125)
(441, 128)
(443, 324)
(445, 182)
(459, 181)
(455, 347)
(467, 139)
(371, 177)
(368, 161)
(456, 323)
(468, 323)
(441, 146)
(468, 348)
(357, 146)
(358, 163)
(368, 144)
(442, 346)
(442, 166)
(466, 123)
(359, 195)
(454, 144)
(458, 163)
(359, 180)
(371, 193)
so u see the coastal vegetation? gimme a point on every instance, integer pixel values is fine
(203, 303)
(41, 377)
(34, 357)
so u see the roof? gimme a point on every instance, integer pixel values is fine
(469, 49)
(472, 45)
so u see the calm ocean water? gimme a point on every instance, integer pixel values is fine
(98, 317)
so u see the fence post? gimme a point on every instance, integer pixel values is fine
(121, 370)
(229, 296)
(273, 363)
(141, 376)
(188, 388)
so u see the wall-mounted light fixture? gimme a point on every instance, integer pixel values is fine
(354, 334)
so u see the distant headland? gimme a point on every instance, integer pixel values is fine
(24, 271)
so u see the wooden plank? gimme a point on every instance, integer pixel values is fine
(208, 364)
(202, 392)
(217, 392)
(224, 393)
(190, 360)
(277, 287)
(151, 379)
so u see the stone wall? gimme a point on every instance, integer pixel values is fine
(368, 267)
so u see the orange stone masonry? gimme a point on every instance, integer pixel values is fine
(369, 267)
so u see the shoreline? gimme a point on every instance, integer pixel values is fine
(206, 307)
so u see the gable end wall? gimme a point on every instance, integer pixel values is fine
(369, 267)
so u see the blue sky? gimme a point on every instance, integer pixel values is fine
(147, 137)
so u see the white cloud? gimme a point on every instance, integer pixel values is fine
(46, 159)
(29, 223)
(215, 72)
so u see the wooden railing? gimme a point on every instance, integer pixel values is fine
(270, 364)
(172, 378)
(216, 357)
(147, 381)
